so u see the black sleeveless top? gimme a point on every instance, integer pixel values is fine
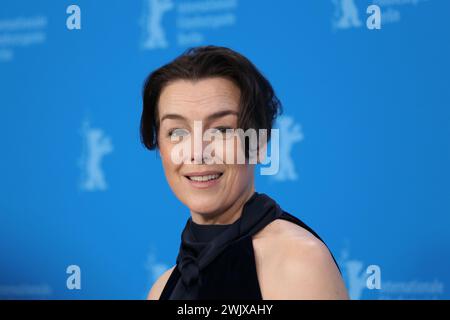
(231, 273)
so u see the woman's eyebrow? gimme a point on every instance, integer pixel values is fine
(172, 116)
(220, 114)
(213, 116)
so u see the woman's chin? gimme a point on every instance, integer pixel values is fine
(206, 211)
(204, 206)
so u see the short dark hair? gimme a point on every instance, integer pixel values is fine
(259, 106)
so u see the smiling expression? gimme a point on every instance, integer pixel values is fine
(207, 189)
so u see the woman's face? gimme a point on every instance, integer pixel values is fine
(207, 189)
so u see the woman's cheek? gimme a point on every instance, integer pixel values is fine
(226, 151)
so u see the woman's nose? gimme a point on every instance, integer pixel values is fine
(197, 149)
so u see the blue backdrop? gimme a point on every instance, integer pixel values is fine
(365, 137)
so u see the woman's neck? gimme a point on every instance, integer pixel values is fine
(228, 216)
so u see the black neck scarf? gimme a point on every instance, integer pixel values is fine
(201, 244)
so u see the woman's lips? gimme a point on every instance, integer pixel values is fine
(197, 183)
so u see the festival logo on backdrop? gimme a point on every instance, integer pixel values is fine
(290, 134)
(166, 23)
(154, 33)
(362, 279)
(19, 33)
(349, 14)
(96, 145)
(346, 14)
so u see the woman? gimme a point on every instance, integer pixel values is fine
(238, 243)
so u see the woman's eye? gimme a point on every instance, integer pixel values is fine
(221, 129)
(226, 132)
(178, 133)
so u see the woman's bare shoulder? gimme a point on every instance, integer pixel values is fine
(158, 286)
(294, 264)
(283, 228)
